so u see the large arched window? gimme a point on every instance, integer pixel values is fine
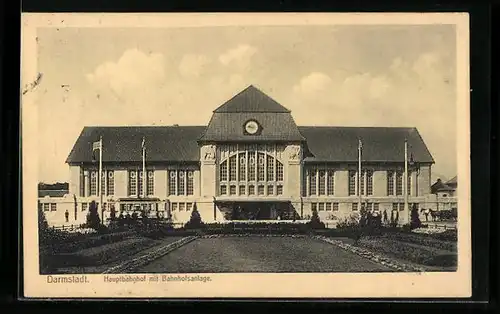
(251, 173)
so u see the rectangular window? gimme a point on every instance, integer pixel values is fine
(328, 207)
(401, 206)
(322, 183)
(53, 207)
(409, 184)
(390, 182)
(335, 207)
(279, 190)
(181, 207)
(369, 182)
(362, 182)
(172, 180)
(232, 168)
(399, 183)
(132, 182)
(103, 186)
(352, 182)
(242, 190)
(181, 183)
(330, 184)
(321, 206)
(189, 206)
(223, 189)
(232, 190)
(82, 182)
(46, 207)
(270, 190)
(174, 207)
(140, 182)
(270, 169)
(151, 183)
(312, 182)
(375, 206)
(279, 171)
(111, 182)
(354, 206)
(93, 183)
(314, 206)
(223, 171)
(251, 190)
(190, 183)
(394, 206)
(260, 190)
(84, 207)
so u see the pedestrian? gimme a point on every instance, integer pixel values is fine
(66, 215)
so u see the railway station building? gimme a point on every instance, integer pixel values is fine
(251, 162)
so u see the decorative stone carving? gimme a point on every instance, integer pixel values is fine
(294, 153)
(209, 154)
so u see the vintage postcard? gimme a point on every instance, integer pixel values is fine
(246, 155)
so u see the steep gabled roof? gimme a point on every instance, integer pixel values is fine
(179, 144)
(251, 99)
(123, 144)
(380, 144)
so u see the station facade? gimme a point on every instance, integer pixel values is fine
(251, 162)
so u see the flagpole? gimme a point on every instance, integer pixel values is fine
(359, 173)
(406, 177)
(144, 167)
(100, 178)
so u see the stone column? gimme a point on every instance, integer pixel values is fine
(208, 171)
(293, 171)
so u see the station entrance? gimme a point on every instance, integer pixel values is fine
(258, 210)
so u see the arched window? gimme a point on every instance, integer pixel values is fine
(251, 172)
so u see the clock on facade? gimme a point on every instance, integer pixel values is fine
(251, 127)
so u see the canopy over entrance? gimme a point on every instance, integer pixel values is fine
(257, 210)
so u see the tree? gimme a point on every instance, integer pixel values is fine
(415, 219)
(195, 219)
(315, 222)
(93, 220)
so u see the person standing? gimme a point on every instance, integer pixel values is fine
(66, 215)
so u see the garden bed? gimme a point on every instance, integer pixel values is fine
(99, 255)
(424, 255)
(422, 240)
(83, 242)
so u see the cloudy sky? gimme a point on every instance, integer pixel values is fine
(360, 75)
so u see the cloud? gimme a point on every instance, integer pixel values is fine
(414, 93)
(239, 58)
(313, 83)
(133, 71)
(193, 65)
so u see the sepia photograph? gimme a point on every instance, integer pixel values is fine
(172, 151)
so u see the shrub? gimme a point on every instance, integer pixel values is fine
(93, 220)
(315, 222)
(195, 220)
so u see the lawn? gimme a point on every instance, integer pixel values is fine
(260, 254)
